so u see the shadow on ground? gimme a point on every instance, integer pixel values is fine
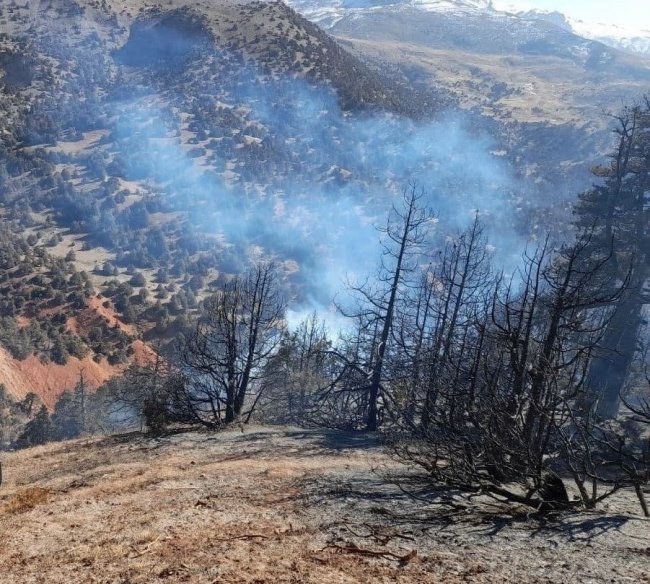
(337, 439)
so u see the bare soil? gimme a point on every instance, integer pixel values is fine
(49, 380)
(275, 505)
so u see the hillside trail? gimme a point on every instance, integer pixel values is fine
(280, 505)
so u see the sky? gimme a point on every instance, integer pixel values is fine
(630, 14)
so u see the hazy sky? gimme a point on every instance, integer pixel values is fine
(634, 14)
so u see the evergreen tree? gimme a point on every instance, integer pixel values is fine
(68, 419)
(618, 210)
(36, 431)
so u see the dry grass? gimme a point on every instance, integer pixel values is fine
(277, 506)
(543, 89)
(26, 500)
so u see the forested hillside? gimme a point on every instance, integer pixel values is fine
(158, 150)
(127, 156)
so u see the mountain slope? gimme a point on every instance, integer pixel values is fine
(530, 66)
(162, 148)
(52, 326)
(142, 150)
(540, 89)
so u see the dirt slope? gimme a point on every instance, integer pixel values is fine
(50, 380)
(278, 505)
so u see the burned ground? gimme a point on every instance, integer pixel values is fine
(281, 505)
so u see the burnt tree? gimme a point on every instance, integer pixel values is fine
(239, 330)
(377, 301)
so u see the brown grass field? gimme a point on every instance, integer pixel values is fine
(276, 505)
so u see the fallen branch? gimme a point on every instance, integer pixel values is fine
(375, 534)
(147, 549)
(245, 536)
(352, 548)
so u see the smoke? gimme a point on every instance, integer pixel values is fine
(268, 164)
(344, 170)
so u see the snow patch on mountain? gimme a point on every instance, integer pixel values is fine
(636, 40)
(633, 40)
(327, 13)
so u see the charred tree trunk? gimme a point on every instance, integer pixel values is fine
(610, 369)
(375, 378)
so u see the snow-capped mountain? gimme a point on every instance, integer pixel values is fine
(327, 13)
(620, 38)
(634, 40)
(634, 44)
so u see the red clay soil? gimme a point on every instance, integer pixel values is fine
(22, 321)
(50, 380)
(94, 315)
(96, 308)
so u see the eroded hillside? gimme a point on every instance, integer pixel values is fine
(53, 325)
